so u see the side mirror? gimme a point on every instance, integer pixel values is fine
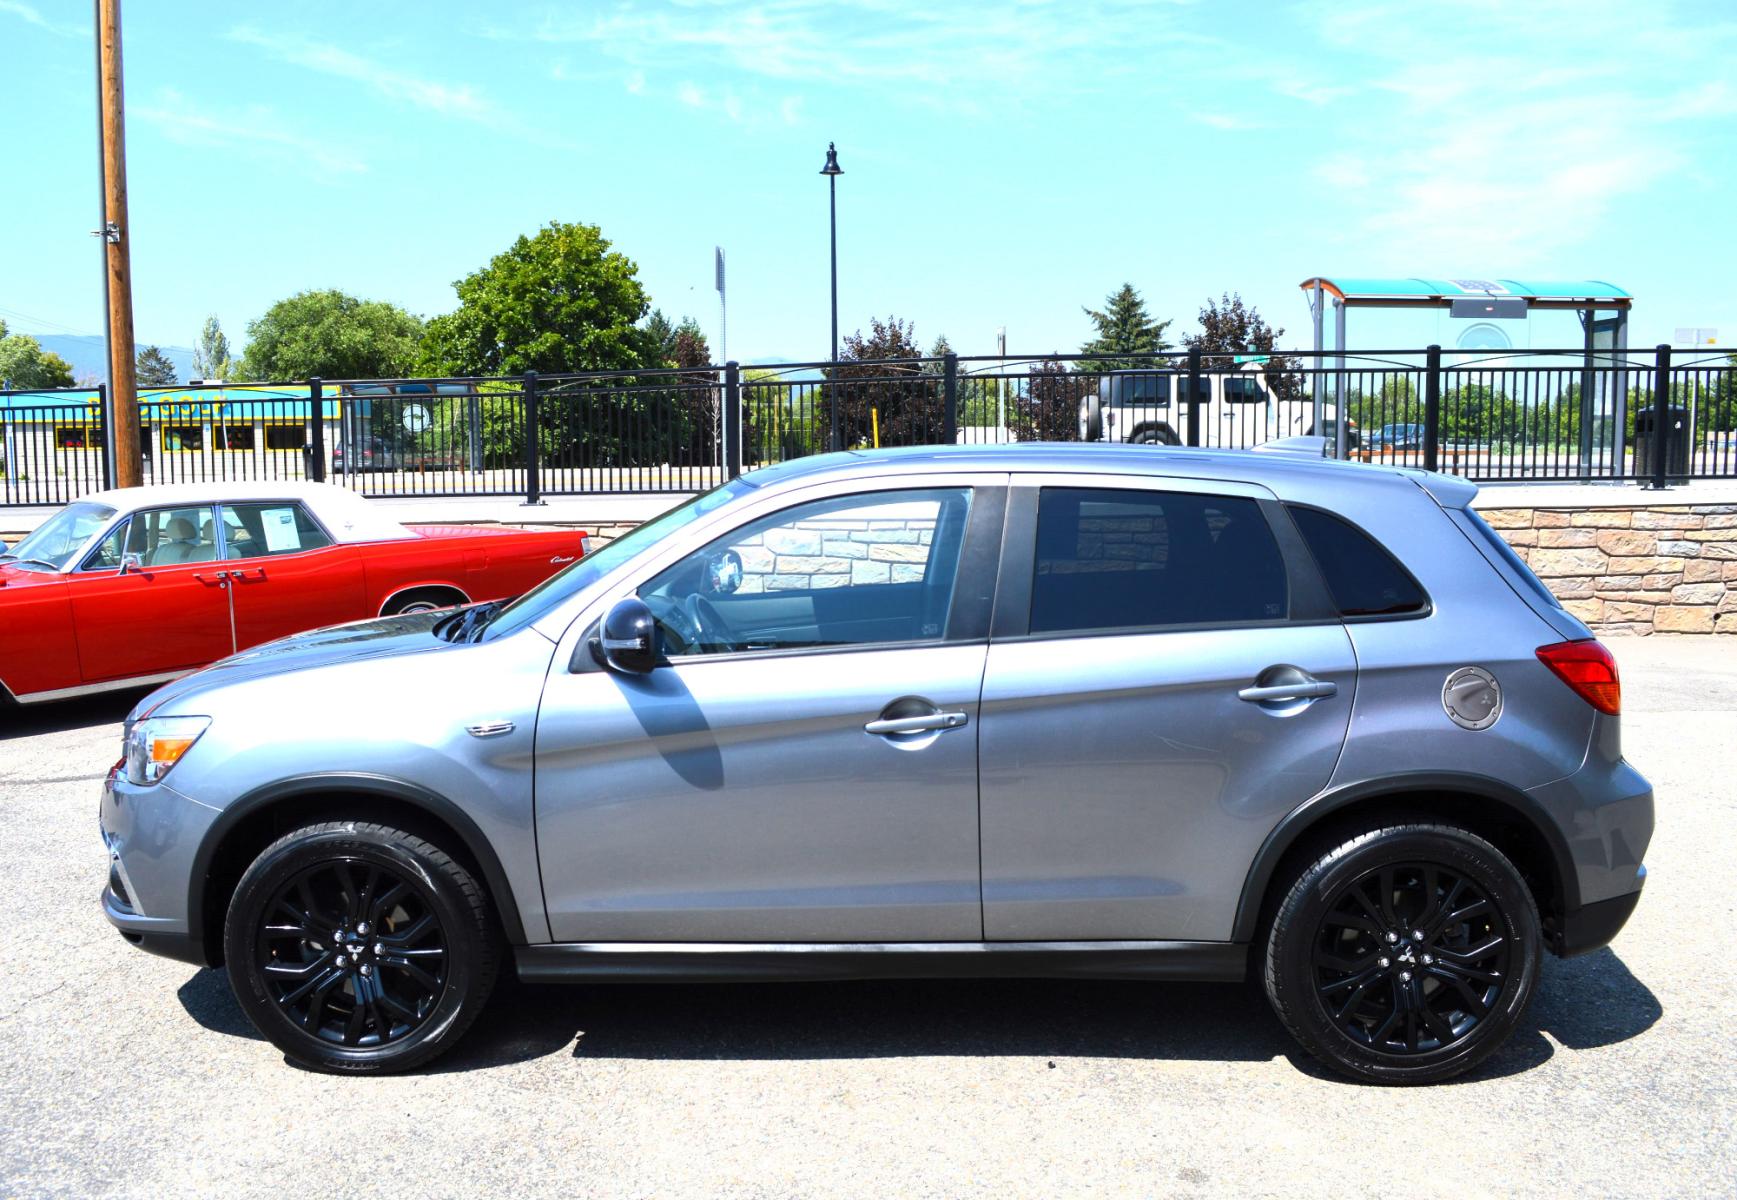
(131, 562)
(629, 640)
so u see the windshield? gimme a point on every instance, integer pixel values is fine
(594, 566)
(60, 537)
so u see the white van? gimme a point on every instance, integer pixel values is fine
(1236, 409)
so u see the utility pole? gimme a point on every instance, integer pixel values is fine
(117, 269)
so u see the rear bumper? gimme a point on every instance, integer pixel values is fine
(1592, 926)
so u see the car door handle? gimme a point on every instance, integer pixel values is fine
(918, 724)
(1314, 689)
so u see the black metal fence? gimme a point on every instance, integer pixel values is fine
(1653, 417)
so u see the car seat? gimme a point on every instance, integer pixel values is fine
(180, 545)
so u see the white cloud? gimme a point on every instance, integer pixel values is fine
(256, 131)
(32, 16)
(1493, 138)
(461, 101)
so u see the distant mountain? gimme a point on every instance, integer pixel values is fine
(85, 352)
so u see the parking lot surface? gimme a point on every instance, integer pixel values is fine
(127, 1075)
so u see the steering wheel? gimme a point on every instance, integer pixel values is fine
(708, 625)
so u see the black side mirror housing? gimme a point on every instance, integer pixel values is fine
(629, 641)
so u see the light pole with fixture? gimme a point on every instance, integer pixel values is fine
(832, 171)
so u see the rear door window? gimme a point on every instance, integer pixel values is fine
(259, 530)
(1121, 559)
(1364, 579)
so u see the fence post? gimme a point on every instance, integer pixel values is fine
(316, 430)
(106, 424)
(1661, 440)
(950, 400)
(533, 452)
(1194, 395)
(1432, 409)
(732, 420)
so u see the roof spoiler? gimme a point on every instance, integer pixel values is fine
(1306, 447)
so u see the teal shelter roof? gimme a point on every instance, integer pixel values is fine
(1414, 292)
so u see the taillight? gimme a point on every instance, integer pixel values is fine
(1587, 667)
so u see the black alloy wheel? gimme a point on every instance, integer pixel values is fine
(1410, 957)
(354, 955)
(1407, 954)
(356, 947)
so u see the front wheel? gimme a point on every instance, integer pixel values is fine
(1406, 955)
(359, 948)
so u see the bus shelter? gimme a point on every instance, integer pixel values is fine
(1603, 309)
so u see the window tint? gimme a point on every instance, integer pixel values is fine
(1365, 580)
(851, 570)
(1115, 559)
(256, 530)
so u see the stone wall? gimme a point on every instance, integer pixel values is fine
(1634, 570)
(835, 552)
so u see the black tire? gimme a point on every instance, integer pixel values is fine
(387, 996)
(1154, 435)
(1352, 981)
(1091, 419)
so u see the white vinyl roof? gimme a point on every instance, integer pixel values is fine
(346, 516)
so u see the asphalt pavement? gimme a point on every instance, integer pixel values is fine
(127, 1075)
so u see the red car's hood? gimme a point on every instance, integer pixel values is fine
(11, 576)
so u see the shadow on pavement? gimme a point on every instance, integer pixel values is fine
(1584, 1003)
(58, 716)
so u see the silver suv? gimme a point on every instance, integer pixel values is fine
(1026, 711)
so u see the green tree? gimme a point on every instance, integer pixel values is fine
(332, 335)
(1229, 327)
(660, 335)
(211, 352)
(559, 301)
(26, 366)
(154, 369)
(1124, 328)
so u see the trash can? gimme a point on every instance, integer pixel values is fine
(1674, 445)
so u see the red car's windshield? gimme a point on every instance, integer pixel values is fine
(60, 537)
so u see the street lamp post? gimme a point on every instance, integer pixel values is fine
(832, 171)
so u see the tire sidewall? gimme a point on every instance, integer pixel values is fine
(1293, 939)
(282, 862)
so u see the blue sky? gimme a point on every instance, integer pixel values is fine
(1004, 164)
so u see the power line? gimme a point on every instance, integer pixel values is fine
(54, 326)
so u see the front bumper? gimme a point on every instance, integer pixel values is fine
(151, 835)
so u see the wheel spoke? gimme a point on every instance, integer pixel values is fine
(354, 1027)
(400, 963)
(384, 901)
(1473, 1000)
(1350, 966)
(1473, 955)
(1434, 1021)
(1445, 908)
(297, 970)
(1345, 920)
(1386, 897)
(400, 938)
(1367, 977)
(317, 986)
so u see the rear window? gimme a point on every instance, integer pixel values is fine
(1365, 580)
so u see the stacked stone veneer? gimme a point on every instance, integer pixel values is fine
(827, 552)
(1663, 569)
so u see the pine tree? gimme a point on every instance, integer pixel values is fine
(154, 368)
(1124, 328)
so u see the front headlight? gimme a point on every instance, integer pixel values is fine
(155, 744)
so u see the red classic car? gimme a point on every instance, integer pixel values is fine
(139, 585)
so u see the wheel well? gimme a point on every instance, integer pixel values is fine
(1500, 824)
(441, 593)
(264, 824)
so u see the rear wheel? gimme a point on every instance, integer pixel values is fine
(359, 948)
(1153, 435)
(421, 600)
(1406, 955)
